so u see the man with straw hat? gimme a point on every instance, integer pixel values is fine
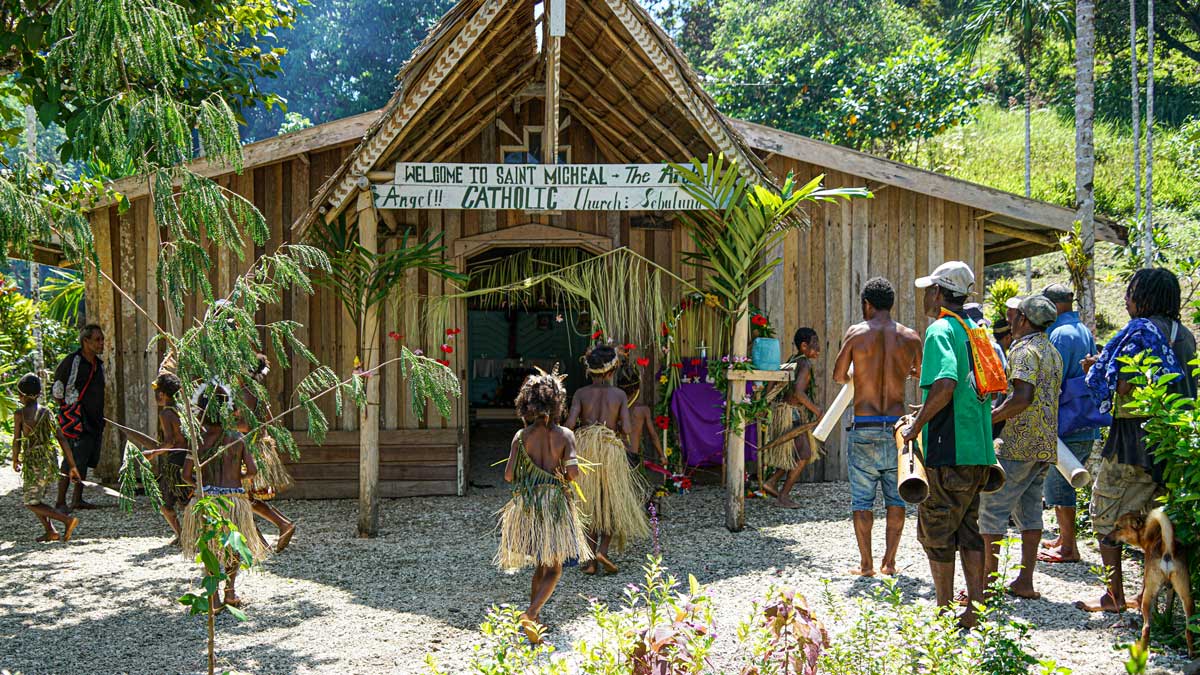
(955, 425)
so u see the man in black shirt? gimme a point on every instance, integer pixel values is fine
(80, 379)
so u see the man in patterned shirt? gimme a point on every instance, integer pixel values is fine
(1028, 443)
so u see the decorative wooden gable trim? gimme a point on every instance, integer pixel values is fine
(705, 116)
(531, 235)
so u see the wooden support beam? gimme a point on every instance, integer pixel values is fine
(368, 428)
(760, 376)
(552, 46)
(735, 442)
(462, 139)
(1019, 233)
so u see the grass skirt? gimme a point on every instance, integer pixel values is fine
(272, 477)
(614, 493)
(540, 526)
(242, 516)
(786, 456)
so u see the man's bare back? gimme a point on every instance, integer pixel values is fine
(884, 354)
(600, 404)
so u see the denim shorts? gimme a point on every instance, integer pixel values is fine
(1058, 491)
(1021, 497)
(872, 460)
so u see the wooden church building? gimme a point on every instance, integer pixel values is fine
(498, 87)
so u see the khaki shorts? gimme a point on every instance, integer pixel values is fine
(949, 520)
(34, 494)
(1120, 489)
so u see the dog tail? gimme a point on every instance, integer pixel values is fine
(1159, 517)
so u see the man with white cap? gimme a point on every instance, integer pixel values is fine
(1029, 441)
(957, 439)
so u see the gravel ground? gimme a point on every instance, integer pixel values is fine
(332, 603)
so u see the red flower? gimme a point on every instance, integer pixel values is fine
(643, 361)
(662, 422)
(447, 349)
(453, 331)
(395, 336)
(629, 346)
(676, 365)
(759, 320)
(597, 334)
(695, 362)
(443, 362)
(665, 331)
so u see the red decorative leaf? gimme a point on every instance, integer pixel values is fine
(643, 361)
(629, 346)
(447, 349)
(597, 334)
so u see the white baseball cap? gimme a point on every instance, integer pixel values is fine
(955, 276)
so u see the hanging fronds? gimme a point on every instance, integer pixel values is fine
(740, 223)
(510, 270)
(1076, 257)
(135, 471)
(429, 381)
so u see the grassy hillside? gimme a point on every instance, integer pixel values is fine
(990, 151)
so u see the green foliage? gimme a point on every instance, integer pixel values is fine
(135, 471)
(342, 57)
(854, 73)
(740, 223)
(219, 541)
(1176, 247)
(428, 381)
(783, 636)
(74, 55)
(63, 295)
(294, 121)
(999, 293)
(1077, 258)
(1028, 21)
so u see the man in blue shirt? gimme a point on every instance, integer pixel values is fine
(1074, 343)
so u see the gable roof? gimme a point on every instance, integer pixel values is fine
(483, 53)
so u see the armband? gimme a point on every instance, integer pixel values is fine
(571, 462)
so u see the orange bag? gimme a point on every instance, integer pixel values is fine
(990, 377)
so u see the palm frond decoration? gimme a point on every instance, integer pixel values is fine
(740, 223)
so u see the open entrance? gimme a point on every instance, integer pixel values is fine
(510, 335)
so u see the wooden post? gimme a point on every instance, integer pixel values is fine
(368, 427)
(735, 442)
(555, 29)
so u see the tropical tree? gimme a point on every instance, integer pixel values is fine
(735, 232)
(1085, 148)
(363, 280)
(1029, 22)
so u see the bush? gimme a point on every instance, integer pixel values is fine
(662, 631)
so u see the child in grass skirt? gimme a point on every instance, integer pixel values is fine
(35, 435)
(222, 477)
(272, 477)
(614, 492)
(540, 525)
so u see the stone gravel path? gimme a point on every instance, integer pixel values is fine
(332, 603)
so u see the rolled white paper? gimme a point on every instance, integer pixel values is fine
(835, 411)
(1070, 468)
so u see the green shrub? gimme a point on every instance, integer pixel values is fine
(999, 293)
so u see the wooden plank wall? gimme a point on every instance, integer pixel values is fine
(128, 245)
(898, 234)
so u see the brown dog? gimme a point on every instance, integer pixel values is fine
(1166, 564)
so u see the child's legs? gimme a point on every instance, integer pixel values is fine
(169, 515)
(39, 510)
(267, 511)
(545, 579)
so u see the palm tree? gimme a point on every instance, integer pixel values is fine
(1029, 21)
(1085, 147)
(1148, 221)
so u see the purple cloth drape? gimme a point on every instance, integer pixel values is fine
(696, 411)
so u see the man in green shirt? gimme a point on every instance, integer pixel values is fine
(1029, 442)
(955, 425)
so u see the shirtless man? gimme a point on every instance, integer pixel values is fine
(613, 491)
(884, 355)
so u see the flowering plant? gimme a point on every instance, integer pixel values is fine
(760, 326)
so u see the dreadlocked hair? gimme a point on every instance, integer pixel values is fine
(542, 396)
(601, 360)
(1155, 292)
